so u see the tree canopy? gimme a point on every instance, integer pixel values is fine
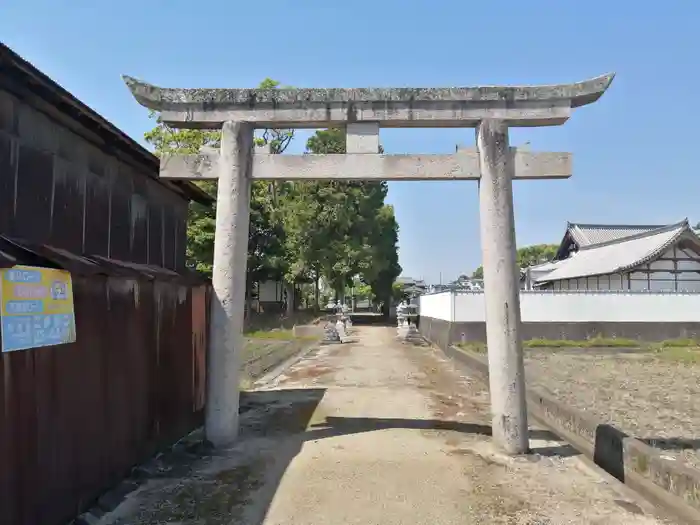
(299, 230)
(527, 256)
(356, 230)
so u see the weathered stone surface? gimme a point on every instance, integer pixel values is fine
(463, 165)
(389, 107)
(362, 137)
(502, 299)
(228, 283)
(197, 166)
(153, 97)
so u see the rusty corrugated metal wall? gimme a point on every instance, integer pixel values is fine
(57, 188)
(75, 418)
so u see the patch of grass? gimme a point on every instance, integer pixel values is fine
(682, 350)
(477, 347)
(552, 343)
(597, 342)
(214, 499)
(680, 343)
(265, 322)
(678, 354)
(246, 382)
(594, 342)
(284, 335)
(278, 335)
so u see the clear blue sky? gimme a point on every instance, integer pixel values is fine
(634, 159)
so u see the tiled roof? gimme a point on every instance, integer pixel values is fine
(617, 255)
(538, 270)
(543, 267)
(589, 234)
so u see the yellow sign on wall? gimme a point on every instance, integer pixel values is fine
(36, 306)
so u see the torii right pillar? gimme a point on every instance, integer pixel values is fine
(501, 290)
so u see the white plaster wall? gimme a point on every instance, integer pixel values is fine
(613, 307)
(437, 305)
(469, 307)
(572, 307)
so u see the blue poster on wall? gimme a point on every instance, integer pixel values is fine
(36, 308)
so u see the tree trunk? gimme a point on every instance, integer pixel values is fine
(248, 298)
(386, 308)
(317, 292)
(290, 297)
(386, 305)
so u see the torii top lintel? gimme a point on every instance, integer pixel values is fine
(545, 105)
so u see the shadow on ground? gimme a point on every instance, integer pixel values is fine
(195, 484)
(371, 319)
(674, 443)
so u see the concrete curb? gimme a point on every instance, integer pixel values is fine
(279, 369)
(666, 483)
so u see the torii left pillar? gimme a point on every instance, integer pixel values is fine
(229, 282)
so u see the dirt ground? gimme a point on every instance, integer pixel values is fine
(375, 432)
(649, 398)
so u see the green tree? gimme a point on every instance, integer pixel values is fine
(364, 291)
(317, 216)
(344, 228)
(527, 256)
(397, 292)
(200, 218)
(265, 242)
(382, 276)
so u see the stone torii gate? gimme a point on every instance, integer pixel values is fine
(362, 112)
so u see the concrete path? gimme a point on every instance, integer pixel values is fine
(376, 432)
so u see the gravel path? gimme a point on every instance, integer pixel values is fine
(648, 398)
(376, 432)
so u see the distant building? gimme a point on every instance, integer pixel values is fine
(436, 288)
(412, 287)
(465, 283)
(622, 257)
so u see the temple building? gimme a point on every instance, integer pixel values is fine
(622, 257)
(412, 287)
